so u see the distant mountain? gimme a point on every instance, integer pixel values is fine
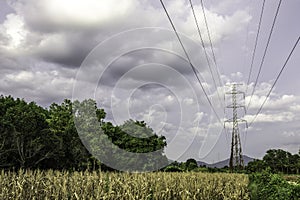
(224, 163)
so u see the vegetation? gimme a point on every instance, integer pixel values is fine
(189, 165)
(266, 183)
(277, 161)
(43, 157)
(270, 186)
(102, 185)
(32, 137)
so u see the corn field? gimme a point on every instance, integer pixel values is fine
(101, 185)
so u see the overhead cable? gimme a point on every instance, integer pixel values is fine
(255, 46)
(189, 60)
(277, 78)
(265, 52)
(205, 52)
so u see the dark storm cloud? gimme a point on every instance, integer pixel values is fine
(71, 56)
(137, 59)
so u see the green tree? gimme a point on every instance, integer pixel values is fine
(25, 134)
(70, 152)
(34, 137)
(270, 159)
(295, 163)
(191, 164)
(137, 137)
(256, 166)
(7, 149)
(122, 147)
(279, 160)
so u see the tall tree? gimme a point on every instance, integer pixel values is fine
(7, 149)
(191, 164)
(70, 152)
(25, 133)
(122, 147)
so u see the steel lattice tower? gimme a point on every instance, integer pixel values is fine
(236, 157)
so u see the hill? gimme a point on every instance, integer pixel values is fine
(224, 163)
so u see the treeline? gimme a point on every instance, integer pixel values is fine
(33, 137)
(189, 165)
(192, 165)
(276, 161)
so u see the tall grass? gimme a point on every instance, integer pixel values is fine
(99, 185)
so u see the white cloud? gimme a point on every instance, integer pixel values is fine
(272, 103)
(68, 14)
(295, 107)
(276, 117)
(225, 6)
(38, 85)
(198, 116)
(188, 101)
(21, 76)
(13, 33)
(236, 75)
(289, 133)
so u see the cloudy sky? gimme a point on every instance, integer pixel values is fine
(125, 55)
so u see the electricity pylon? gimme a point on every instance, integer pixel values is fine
(236, 157)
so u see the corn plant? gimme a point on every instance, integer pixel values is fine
(103, 185)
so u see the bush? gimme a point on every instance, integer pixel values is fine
(272, 187)
(173, 169)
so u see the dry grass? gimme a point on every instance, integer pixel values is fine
(100, 185)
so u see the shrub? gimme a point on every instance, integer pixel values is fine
(272, 187)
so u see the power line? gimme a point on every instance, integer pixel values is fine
(285, 63)
(211, 45)
(247, 39)
(265, 52)
(208, 32)
(206, 55)
(192, 66)
(255, 46)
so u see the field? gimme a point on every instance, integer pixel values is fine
(101, 185)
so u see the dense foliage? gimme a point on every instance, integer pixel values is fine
(99, 185)
(270, 186)
(33, 137)
(277, 161)
(189, 165)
